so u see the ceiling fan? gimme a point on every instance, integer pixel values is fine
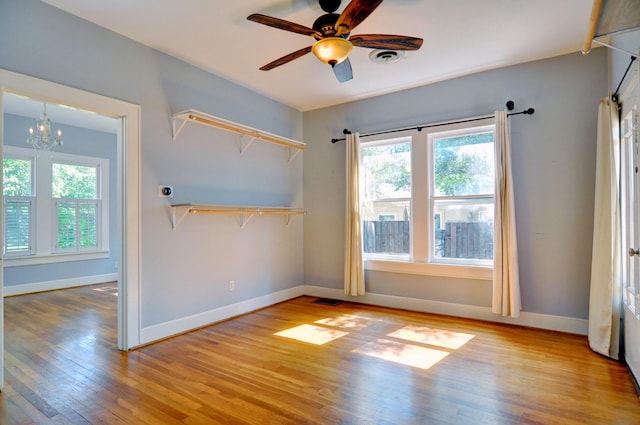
(332, 33)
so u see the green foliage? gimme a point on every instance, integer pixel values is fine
(390, 166)
(74, 181)
(462, 165)
(463, 173)
(16, 177)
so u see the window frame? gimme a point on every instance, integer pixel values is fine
(88, 162)
(420, 260)
(32, 199)
(45, 212)
(433, 197)
(388, 141)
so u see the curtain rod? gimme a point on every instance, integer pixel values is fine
(510, 105)
(614, 96)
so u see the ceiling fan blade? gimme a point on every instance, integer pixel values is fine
(386, 41)
(281, 24)
(285, 59)
(355, 12)
(343, 71)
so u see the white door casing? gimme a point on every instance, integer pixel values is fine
(630, 200)
(128, 180)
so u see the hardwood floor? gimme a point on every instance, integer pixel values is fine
(364, 365)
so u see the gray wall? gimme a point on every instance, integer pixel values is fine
(186, 271)
(553, 166)
(618, 60)
(79, 141)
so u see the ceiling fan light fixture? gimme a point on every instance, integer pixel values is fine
(332, 50)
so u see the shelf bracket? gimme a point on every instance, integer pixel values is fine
(246, 144)
(291, 218)
(243, 220)
(292, 154)
(177, 131)
(178, 213)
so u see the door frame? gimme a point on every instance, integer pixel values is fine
(128, 199)
(630, 101)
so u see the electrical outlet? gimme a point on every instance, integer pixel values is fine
(232, 285)
(165, 191)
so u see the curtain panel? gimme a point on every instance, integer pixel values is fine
(506, 284)
(605, 291)
(354, 261)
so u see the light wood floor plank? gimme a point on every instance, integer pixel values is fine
(364, 365)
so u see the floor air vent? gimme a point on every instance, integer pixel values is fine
(328, 301)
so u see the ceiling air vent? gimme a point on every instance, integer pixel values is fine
(386, 56)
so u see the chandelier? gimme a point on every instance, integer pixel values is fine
(41, 137)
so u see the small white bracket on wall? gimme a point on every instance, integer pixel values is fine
(292, 153)
(180, 119)
(244, 145)
(180, 211)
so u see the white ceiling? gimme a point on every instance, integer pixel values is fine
(460, 37)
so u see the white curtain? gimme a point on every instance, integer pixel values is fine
(354, 263)
(604, 297)
(506, 284)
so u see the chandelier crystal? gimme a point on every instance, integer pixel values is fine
(41, 137)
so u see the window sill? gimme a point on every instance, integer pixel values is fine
(53, 258)
(430, 269)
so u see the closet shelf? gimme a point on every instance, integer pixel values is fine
(247, 134)
(180, 211)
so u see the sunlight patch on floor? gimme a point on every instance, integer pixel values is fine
(114, 291)
(347, 321)
(312, 334)
(431, 336)
(406, 354)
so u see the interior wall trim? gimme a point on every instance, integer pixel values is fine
(175, 327)
(168, 329)
(534, 320)
(52, 285)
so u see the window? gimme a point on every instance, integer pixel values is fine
(386, 195)
(75, 195)
(19, 206)
(54, 204)
(428, 199)
(462, 194)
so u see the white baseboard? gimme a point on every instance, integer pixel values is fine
(52, 285)
(534, 320)
(185, 324)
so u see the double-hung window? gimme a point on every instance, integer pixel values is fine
(386, 202)
(19, 205)
(55, 206)
(428, 200)
(76, 209)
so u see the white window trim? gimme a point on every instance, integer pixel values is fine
(421, 261)
(429, 269)
(45, 251)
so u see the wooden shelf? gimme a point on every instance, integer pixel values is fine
(247, 134)
(180, 211)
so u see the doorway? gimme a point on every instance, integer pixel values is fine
(128, 184)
